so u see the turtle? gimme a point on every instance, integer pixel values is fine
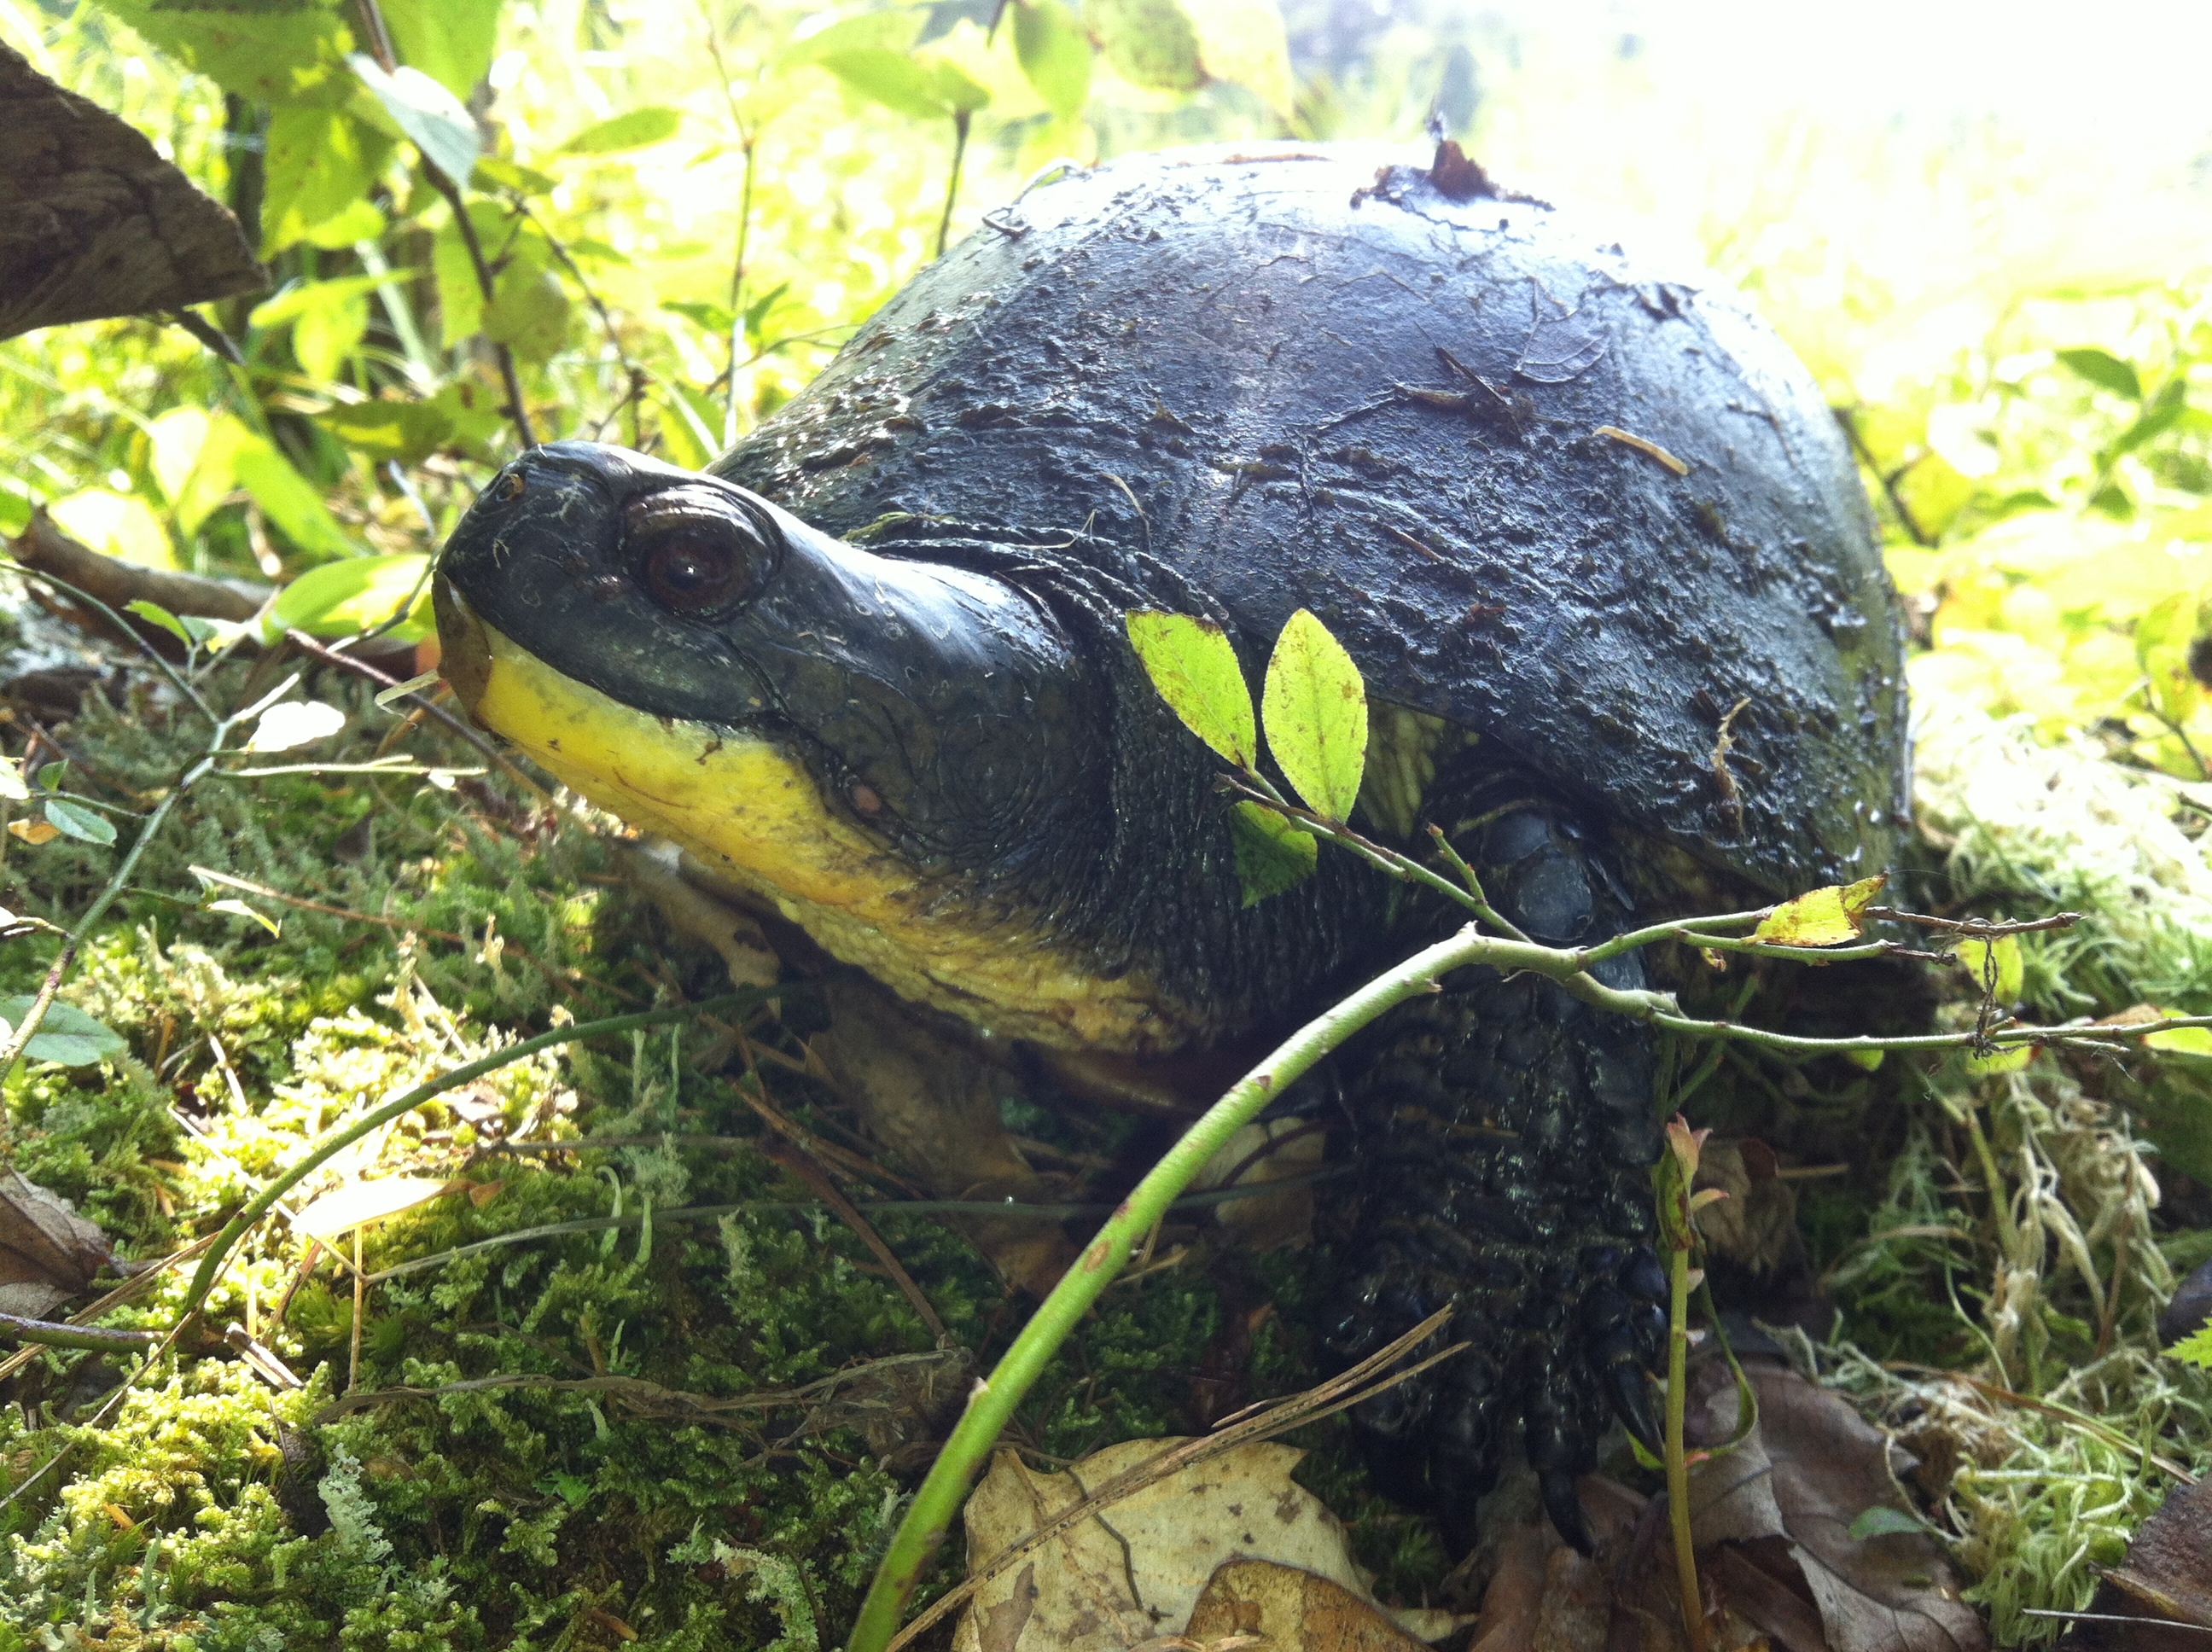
(1589, 532)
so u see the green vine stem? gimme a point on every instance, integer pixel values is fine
(991, 1404)
(211, 1264)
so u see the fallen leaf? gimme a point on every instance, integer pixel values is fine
(48, 1252)
(359, 1204)
(1806, 1474)
(1135, 1570)
(1290, 1611)
(1756, 1225)
(2167, 1579)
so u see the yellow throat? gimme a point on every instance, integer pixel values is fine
(748, 806)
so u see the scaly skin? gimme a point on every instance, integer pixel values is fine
(1505, 1136)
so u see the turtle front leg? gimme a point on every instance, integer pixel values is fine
(1505, 1136)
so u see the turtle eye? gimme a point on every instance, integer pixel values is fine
(694, 551)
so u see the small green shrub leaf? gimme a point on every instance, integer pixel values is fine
(2105, 370)
(1192, 665)
(1148, 43)
(1994, 965)
(188, 631)
(75, 820)
(66, 1036)
(1054, 53)
(1825, 917)
(358, 594)
(1881, 1521)
(1272, 854)
(637, 129)
(2010, 1059)
(438, 122)
(2196, 1348)
(1315, 708)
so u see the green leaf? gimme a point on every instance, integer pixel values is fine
(1054, 53)
(450, 41)
(75, 820)
(2181, 1041)
(358, 594)
(528, 311)
(66, 1036)
(1272, 854)
(1881, 1521)
(430, 115)
(636, 129)
(958, 90)
(302, 297)
(409, 432)
(2195, 1348)
(279, 56)
(1245, 43)
(320, 163)
(1315, 709)
(2105, 370)
(187, 631)
(1825, 917)
(1994, 965)
(511, 174)
(2163, 413)
(825, 34)
(899, 82)
(1148, 43)
(1192, 665)
(2010, 1059)
(460, 300)
(717, 319)
(293, 507)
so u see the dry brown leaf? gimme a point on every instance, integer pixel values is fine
(1756, 1225)
(1810, 1469)
(34, 832)
(2167, 1579)
(1290, 1611)
(1134, 1570)
(48, 1252)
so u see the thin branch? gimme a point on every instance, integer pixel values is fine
(314, 649)
(961, 119)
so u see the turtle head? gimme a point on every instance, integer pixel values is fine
(912, 760)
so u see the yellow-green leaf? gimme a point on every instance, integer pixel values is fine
(1315, 709)
(2011, 1059)
(2196, 1348)
(1826, 917)
(1272, 854)
(1994, 966)
(1054, 53)
(358, 594)
(2181, 1041)
(1871, 1060)
(1192, 665)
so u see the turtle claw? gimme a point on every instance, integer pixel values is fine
(1624, 1386)
(1563, 1501)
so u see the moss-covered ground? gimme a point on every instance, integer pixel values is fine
(205, 1508)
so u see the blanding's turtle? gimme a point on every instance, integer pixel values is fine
(1591, 536)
